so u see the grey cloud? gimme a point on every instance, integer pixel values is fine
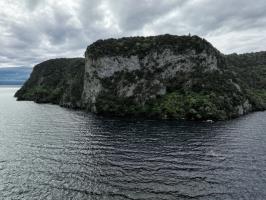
(32, 4)
(211, 15)
(133, 15)
(35, 30)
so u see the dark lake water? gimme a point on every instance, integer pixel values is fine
(48, 152)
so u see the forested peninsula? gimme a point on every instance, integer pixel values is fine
(164, 77)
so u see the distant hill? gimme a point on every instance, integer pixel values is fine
(14, 75)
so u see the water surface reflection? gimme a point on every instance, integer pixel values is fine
(48, 152)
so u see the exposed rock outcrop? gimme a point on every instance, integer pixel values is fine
(165, 76)
(251, 71)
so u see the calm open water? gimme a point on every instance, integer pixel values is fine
(48, 152)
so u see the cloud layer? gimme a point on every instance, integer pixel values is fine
(35, 30)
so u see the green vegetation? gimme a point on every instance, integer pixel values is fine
(43, 94)
(175, 105)
(141, 46)
(58, 81)
(258, 99)
(251, 70)
(234, 88)
(194, 106)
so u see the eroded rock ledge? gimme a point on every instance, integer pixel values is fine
(180, 77)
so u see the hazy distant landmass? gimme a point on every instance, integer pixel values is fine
(14, 75)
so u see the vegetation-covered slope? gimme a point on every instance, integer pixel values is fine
(58, 81)
(142, 46)
(166, 76)
(251, 70)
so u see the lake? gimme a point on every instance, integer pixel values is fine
(49, 152)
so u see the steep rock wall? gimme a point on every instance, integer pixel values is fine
(166, 76)
(140, 76)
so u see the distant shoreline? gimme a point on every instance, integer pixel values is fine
(19, 83)
(8, 86)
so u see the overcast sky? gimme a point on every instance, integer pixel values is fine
(32, 31)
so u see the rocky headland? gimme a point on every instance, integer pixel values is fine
(57, 81)
(165, 76)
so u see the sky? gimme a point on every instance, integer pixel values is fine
(32, 31)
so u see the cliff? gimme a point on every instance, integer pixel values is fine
(58, 81)
(180, 77)
(165, 76)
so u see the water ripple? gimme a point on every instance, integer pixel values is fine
(48, 152)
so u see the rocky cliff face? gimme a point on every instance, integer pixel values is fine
(58, 81)
(180, 77)
(163, 76)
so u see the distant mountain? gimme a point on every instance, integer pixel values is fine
(14, 75)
